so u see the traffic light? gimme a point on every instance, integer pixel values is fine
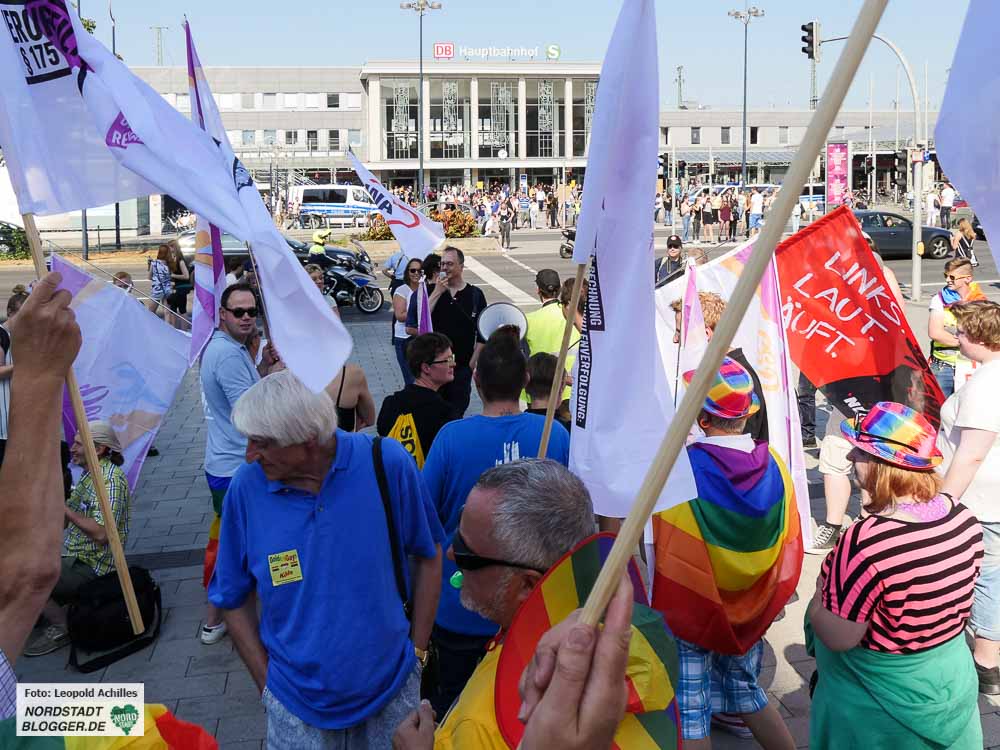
(682, 168)
(869, 166)
(664, 165)
(901, 167)
(811, 40)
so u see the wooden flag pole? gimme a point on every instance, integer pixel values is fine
(673, 442)
(557, 380)
(93, 465)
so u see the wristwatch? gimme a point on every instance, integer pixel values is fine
(422, 655)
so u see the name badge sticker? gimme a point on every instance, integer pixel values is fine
(285, 567)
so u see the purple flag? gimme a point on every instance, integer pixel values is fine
(423, 310)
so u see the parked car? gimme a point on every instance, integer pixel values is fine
(892, 235)
(11, 236)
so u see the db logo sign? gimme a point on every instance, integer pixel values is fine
(444, 50)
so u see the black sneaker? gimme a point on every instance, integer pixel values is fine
(825, 539)
(809, 442)
(989, 680)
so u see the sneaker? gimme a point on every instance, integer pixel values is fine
(732, 724)
(989, 680)
(212, 633)
(809, 442)
(825, 539)
(52, 639)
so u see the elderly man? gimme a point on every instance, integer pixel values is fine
(307, 528)
(519, 519)
(86, 554)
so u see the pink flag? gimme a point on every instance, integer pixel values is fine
(209, 265)
(692, 324)
(423, 310)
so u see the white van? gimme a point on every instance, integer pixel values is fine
(322, 205)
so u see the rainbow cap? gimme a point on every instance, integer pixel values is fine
(731, 395)
(896, 434)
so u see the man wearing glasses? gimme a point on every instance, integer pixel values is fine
(959, 287)
(227, 371)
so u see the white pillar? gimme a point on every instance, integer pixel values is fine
(567, 149)
(474, 125)
(522, 118)
(375, 148)
(425, 127)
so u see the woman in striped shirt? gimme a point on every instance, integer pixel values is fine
(892, 601)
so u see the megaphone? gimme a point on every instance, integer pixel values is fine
(501, 314)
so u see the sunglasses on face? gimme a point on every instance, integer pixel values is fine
(951, 277)
(240, 312)
(466, 559)
(413, 270)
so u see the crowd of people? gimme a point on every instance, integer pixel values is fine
(367, 581)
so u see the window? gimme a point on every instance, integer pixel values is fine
(840, 131)
(753, 135)
(184, 102)
(246, 101)
(354, 137)
(324, 195)
(312, 139)
(334, 140)
(353, 101)
(225, 101)
(290, 101)
(270, 101)
(783, 134)
(727, 136)
(666, 136)
(270, 137)
(333, 101)
(291, 137)
(871, 221)
(312, 101)
(695, 136)
(247, 137)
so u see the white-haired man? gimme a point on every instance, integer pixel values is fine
(306, 526)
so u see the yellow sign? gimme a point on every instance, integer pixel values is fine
(405, 431)
(285, 567)
(479, 184)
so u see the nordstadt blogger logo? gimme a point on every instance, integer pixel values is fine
(444, 50)
(49, 709)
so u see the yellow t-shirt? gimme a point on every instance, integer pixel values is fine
(545, 333)
(472, 721)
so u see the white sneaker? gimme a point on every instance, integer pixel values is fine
(212, 633)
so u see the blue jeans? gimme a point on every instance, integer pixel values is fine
(985, 617)
(400, 347)
(945, 374)
(686, 231)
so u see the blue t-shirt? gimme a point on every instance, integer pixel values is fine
(331, 621)
(227, 372)
(461, 452)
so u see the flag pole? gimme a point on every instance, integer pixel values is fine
(673, 442)
(557, 380)
(93, 465)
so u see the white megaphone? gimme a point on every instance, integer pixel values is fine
(501, 314)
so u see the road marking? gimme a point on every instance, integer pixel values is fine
(525, 266)
(499, 283)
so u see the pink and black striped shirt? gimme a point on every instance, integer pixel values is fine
(911, 581)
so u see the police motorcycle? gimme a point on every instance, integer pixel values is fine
(566, 248)
(348, 275)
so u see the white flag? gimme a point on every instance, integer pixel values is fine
(968, 142)
(57, 159)
(622, 399)
(417, 235)
(154, 140)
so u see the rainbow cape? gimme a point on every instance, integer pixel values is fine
(164, 731)
(728, 561)
(652, 720)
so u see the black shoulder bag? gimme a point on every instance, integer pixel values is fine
(390, 522)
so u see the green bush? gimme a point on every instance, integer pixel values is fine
(378, 230)
(14, 244)
(457, 224)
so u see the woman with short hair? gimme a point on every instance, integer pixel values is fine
(886, 623)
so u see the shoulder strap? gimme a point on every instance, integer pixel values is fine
(340, 391)
(383, 488)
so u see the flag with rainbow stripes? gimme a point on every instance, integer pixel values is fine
(728, 561)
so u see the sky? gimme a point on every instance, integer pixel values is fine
(700, 36)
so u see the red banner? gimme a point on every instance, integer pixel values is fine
(846, 331)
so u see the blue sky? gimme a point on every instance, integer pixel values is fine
(698, 35)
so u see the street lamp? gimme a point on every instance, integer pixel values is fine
(744, 16)
(421, 7)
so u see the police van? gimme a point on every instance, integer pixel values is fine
(325, 205)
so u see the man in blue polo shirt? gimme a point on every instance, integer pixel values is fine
(304, 528)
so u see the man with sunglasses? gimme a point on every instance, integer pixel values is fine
(227, 372)
(945, 354)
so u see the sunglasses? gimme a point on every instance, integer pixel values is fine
(466, 559)
(448, 360)
(413, 270)
(951, 277)
(240, 312)
(869, 437)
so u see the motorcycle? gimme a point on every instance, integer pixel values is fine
(566, 248)
(350, 278)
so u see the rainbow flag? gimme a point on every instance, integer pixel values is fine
(164, 731)
(728, 561)
(652, 720)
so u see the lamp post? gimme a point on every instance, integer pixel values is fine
(118, 210)
(744, 16)
(421, 7)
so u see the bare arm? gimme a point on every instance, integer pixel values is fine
(47, 338)
(426, 591)
(399, 306)
(366, 404)
(88, 526)
(973, 445)
(245, 632)
(475, 354)
(935, 329)
(836, 633)
(6, 371)
(438, 292)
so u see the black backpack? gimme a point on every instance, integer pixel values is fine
(98, 620)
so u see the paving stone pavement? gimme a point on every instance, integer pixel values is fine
(208, 685)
